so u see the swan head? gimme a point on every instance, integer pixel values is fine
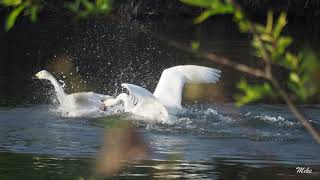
(43, 74)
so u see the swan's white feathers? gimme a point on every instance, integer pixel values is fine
(142, 101)
(172, 80)
(197, 74)
(87, 99)
(76, 104)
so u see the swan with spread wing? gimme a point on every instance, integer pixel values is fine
(166, 99)
(76, 104)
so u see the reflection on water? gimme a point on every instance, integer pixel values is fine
(29, 166)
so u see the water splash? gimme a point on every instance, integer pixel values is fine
(213, 122)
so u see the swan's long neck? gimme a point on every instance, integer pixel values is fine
(59, 90)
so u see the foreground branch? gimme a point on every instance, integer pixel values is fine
(306, 124)
(221, 60)
(257, 73)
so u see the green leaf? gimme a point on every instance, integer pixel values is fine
(84, 8)
(200, 3)
(212, 7)
(11, 2)
(294, 77)
(217, 9)
(74, 6)
(11, 19)
(244, 26)
(269, 22)
(303, 81)
(104, 5)
(204, 15)
(282, 44)
(260, 28)
(238, 15)
(266, 37)
(281, 23)
(195, 45)
(34, 12)
(88, 5)
(251, 92)
(258, 47)
(309, 62)
(291, 61)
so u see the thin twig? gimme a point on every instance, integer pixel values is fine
(300, 117)
(258, 73)
(220, 60)
(274, 81)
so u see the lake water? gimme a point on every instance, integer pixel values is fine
(214, 139)
(211, 142)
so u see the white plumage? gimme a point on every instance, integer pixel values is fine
(170, 86)
(166, 99)
(76, 104)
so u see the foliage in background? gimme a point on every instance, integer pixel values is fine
(31, 8)
(211, 8)
(252, 92)
(84, 8)
(19, 7)
(271, 47)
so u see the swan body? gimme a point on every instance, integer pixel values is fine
(76, 104)
(139, 101)
(166, 99)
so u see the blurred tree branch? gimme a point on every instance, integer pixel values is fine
(219, 60)
(254, 72)
(271, 47)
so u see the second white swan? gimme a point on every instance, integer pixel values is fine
(76, 104)
(166, 99)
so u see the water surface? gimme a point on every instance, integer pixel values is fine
(211, 141)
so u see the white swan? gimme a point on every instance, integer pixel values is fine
(76, 104)
(166, 99)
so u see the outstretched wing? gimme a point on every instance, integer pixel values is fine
(172, 80)
(142, 102)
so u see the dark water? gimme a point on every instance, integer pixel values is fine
(213, 140)
(209, 142)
